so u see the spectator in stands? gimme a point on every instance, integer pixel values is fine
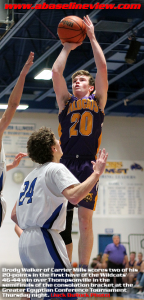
(116, 254)
(97, 262)
(140, 286)
(132, 264)
(139, 261)
(132, 261)
(140, 274)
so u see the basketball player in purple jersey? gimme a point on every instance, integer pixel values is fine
(81, 117)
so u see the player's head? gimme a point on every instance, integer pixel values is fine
(116, 239)
(42, 146)
(83, 81)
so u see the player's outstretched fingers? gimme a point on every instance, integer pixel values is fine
(103, 153)
(88, 18)
(21, 155)
(106, 156)
(99, 153)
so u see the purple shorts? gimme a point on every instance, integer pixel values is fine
(82, 169)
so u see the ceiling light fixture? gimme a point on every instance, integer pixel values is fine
(20, 107)
(45, 74)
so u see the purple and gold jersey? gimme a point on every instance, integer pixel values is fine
(80, 127)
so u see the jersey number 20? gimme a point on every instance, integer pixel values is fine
(85, 123)
(28, 192)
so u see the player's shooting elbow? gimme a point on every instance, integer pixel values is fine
(56, 72)
(104, 75)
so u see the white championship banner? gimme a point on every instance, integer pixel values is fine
(121, 190)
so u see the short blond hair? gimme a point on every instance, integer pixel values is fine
(86, 73)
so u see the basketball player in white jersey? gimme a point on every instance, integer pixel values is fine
(41, 208)
(13, 103)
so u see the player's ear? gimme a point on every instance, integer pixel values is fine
(53, 149)
(91, 88)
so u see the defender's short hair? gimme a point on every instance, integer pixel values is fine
(86, 73)
(39, 145)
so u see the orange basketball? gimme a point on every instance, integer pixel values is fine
(74, 264)
(71, 29)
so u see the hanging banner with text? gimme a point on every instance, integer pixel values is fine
(121, 190)
(15, 140)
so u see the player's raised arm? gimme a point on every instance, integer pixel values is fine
(15, 97)
(59, 83)
(101, 82)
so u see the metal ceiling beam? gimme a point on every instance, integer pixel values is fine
(19, 24)
(44, 25)
(109, 48)
(126, 71)
(130, 97)
(20, 53)
(35, 64)
(46, 54)
(113, 45)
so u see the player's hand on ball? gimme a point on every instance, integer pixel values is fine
(71, 46)
(100, 163)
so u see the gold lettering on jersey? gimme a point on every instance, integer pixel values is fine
(70, 109)
(74, 106)
(89, 105)
(79, 104)
(95, 107)
(83, 104)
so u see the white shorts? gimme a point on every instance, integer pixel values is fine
(40, 248)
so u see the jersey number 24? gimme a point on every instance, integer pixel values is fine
(28, 192)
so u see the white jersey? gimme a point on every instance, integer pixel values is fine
(40, 201)
(2, 181)
(41, 212)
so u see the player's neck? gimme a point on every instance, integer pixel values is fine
(81, 95)
(56, 159)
